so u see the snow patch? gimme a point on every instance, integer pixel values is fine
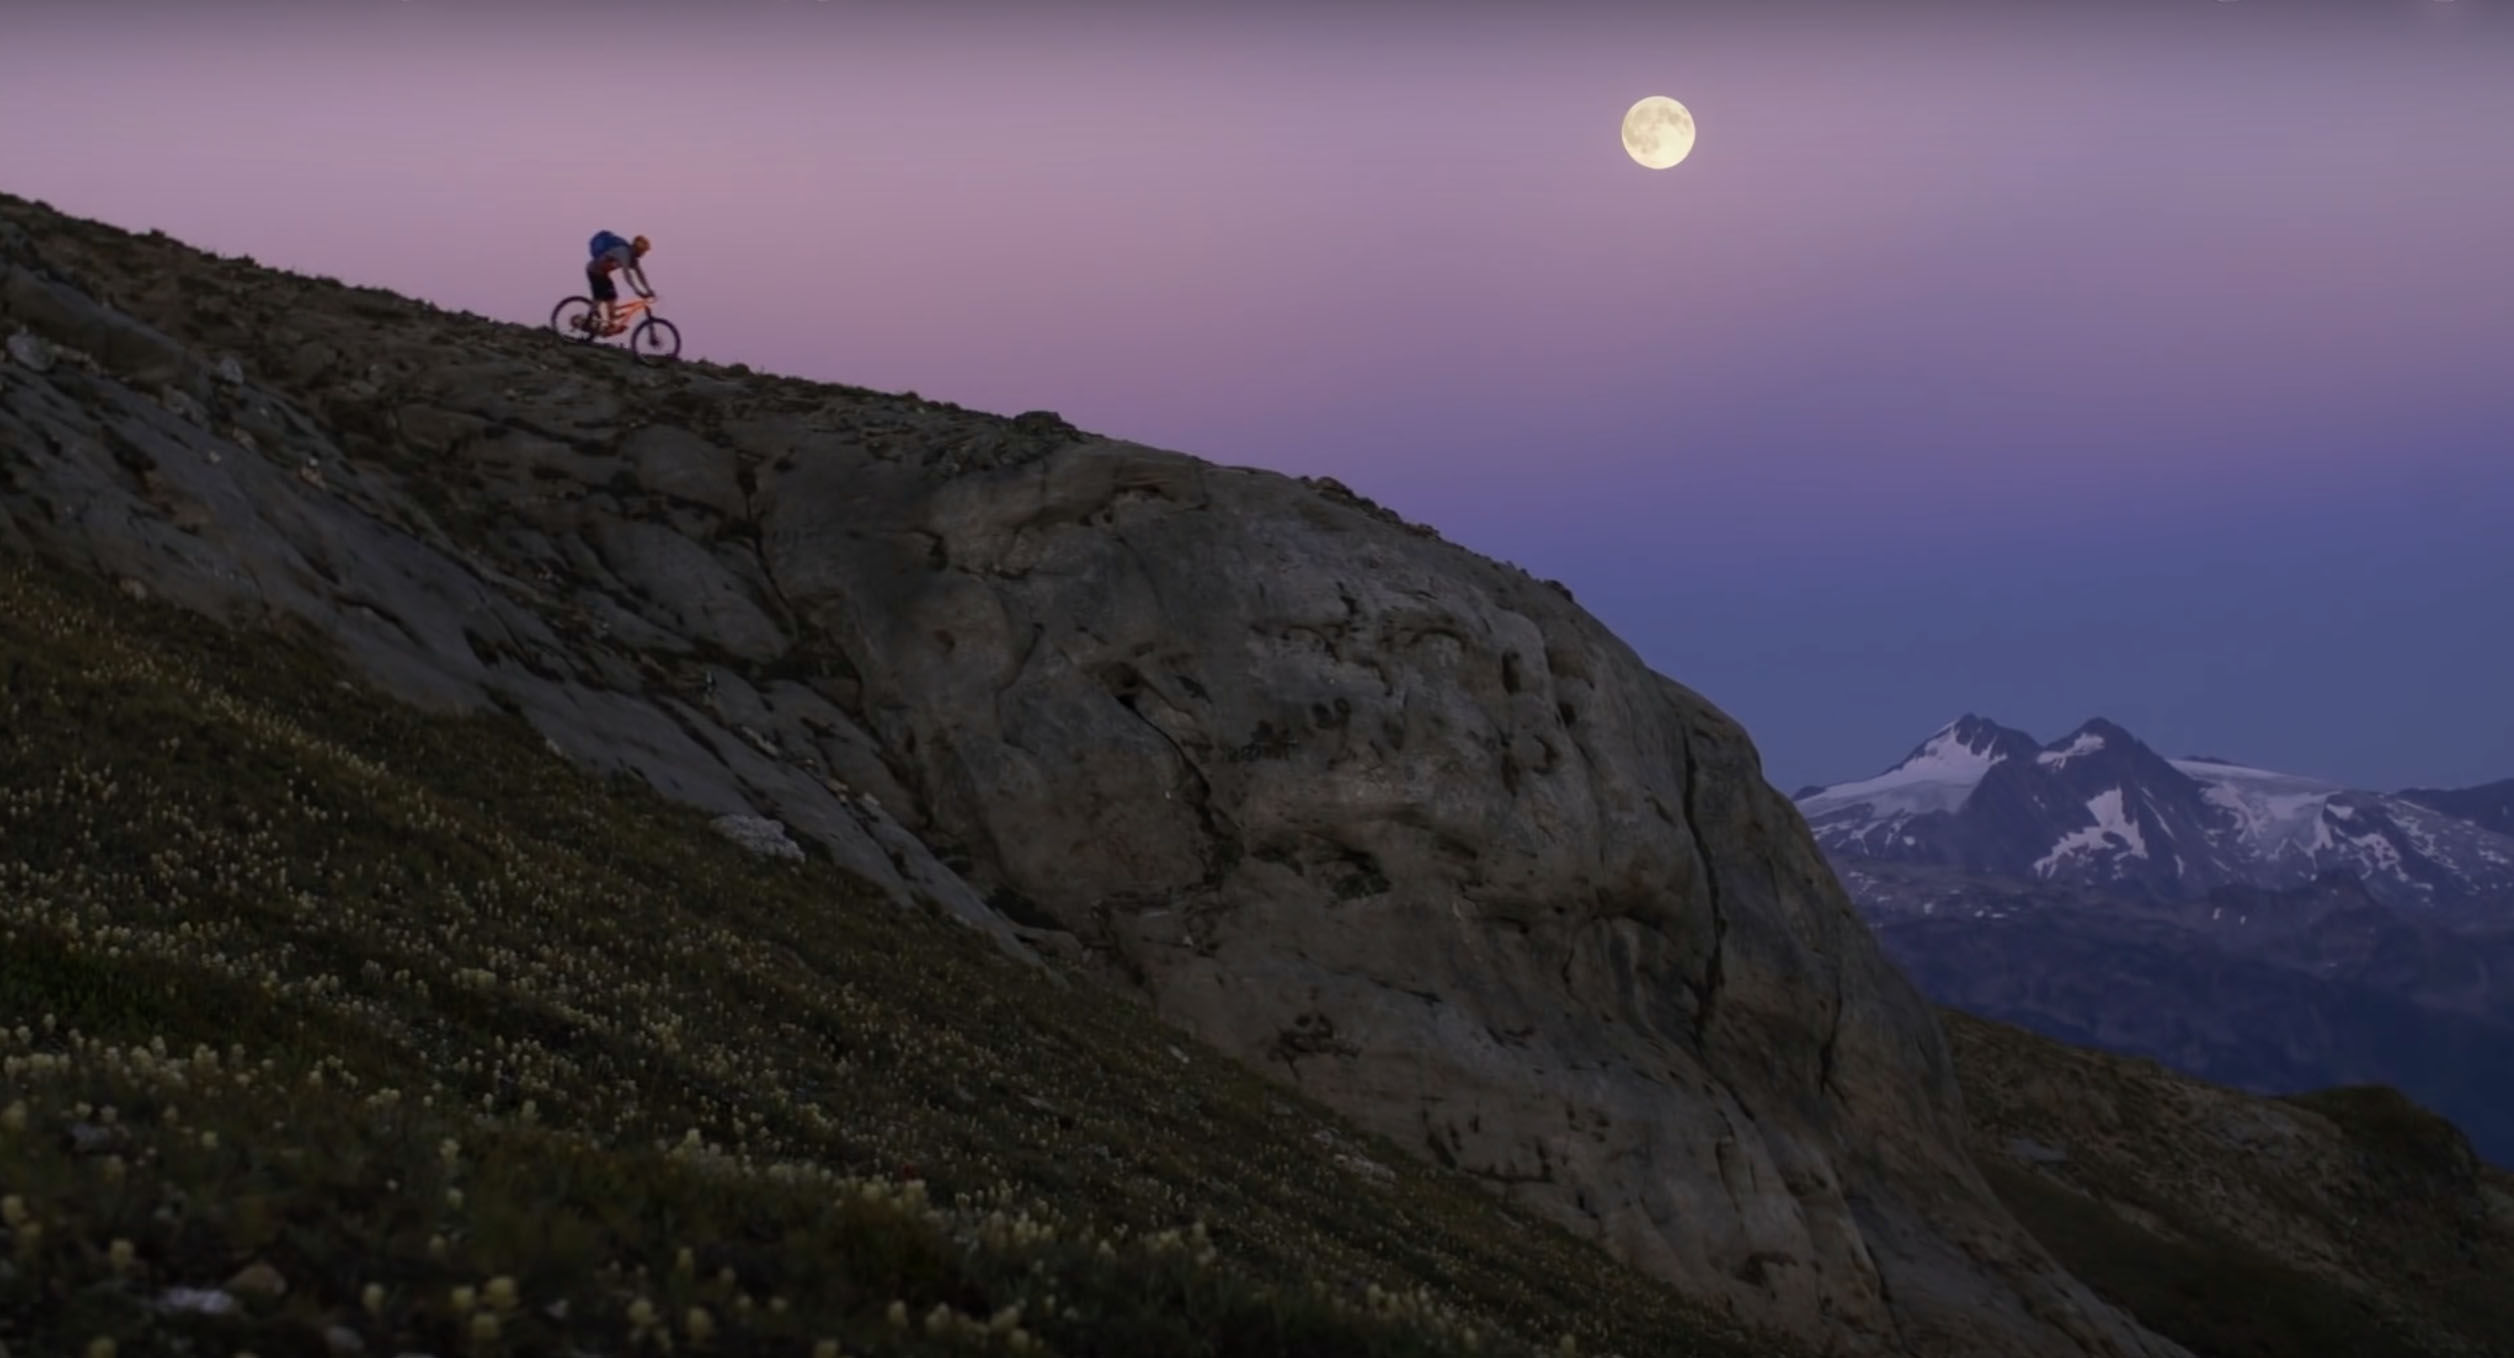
(2420, 830)
(2087, 743)
(2111, 824)
(2377, 852)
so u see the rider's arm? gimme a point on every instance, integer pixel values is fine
(637, 275)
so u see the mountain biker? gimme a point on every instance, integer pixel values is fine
(614, 255)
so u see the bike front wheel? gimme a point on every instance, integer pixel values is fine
(574, 318)
(655, 340)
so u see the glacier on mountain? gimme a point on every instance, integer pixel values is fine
(1936, 777)
(2274, 812)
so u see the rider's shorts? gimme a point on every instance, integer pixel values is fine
(600, 282)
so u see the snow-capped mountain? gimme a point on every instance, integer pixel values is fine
(2098, 808)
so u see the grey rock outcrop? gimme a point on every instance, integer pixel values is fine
(30, 351)
(1394, 821)
(760, 835)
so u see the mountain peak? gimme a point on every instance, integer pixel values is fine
(2101, 807)
(1969, 739)
(2096, 735)
(1937, 775)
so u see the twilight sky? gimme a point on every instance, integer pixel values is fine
(2042, 358)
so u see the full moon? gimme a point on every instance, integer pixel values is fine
(1658, 132)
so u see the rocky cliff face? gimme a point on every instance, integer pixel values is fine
(1399, 823)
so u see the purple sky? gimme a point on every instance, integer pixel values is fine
(2151, 358)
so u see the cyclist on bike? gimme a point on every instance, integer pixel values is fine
(614, 255)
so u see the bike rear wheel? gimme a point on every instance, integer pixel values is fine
(655, 340)
(573, 318)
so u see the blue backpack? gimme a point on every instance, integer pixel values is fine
(605, 241)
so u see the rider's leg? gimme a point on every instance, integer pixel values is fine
(599, 284)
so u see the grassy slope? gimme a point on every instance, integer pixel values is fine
(401, 1005)
(2375, 1234)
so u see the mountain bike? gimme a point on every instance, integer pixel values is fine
(653, 339)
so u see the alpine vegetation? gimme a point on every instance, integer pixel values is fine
(332, 1023)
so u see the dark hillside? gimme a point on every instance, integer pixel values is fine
(2347, 1221)
(298, 982)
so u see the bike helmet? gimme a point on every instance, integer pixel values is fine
(641, 245)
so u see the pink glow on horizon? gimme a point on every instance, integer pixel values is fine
(1238, 247)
